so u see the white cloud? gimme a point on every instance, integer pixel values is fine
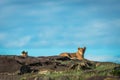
(23, 41)
(103, 58)
(2, 36)
(99, 58)
(3, 2)
(91, 34)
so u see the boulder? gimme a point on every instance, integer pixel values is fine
(8, 64)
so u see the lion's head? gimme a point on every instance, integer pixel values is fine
(24, 54)
(81, 50)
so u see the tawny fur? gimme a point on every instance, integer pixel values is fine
(24, 54)
(78, 55)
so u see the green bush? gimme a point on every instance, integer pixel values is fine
(116, 71)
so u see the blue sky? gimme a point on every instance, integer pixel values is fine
(49, 27)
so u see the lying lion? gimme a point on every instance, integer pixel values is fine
(78, 55)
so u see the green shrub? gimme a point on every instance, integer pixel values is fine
(116, 71)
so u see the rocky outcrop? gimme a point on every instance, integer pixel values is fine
(18, 65)
(12, 64)
(8, 64)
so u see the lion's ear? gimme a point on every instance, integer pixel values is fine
(78, 48)
(84, 49)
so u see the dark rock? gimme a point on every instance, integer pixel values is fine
(116, 71)
(73, 66)
(63, 58)
(47, 63)
(117, 68)
(83, 65)
(27, 60)
(8, 64)
(9, 77)
(25, 69)
(36, 64)
(59, 58)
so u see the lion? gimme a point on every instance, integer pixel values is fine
(24, 54)
(78, 55)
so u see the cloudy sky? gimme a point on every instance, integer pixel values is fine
(48, 27)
